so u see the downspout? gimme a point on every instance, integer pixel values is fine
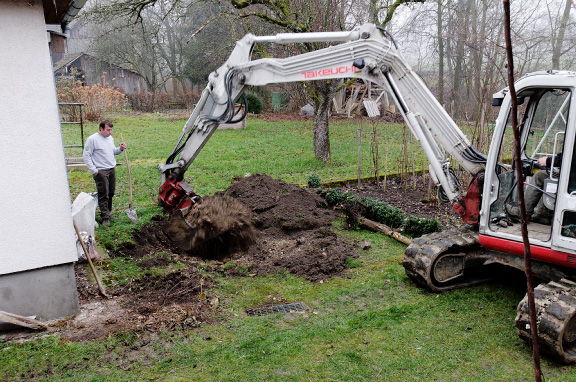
(71, 12)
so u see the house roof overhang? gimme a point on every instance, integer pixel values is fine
(61, 11)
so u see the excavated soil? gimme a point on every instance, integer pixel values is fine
(276, 227)
(282, 228)
(289, 227)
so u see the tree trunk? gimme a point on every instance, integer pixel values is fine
(440, 55)
(557, 43)
(325, 91)
(459, 66)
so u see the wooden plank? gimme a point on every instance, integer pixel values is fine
(26, 322)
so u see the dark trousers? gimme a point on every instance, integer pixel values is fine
(532, 195)
(106, 186)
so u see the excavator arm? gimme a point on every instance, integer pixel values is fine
(365, 53)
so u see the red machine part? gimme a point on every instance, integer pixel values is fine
(547, 255)
(175, 195)
(468, 207)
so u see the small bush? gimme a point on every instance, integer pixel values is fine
(416, 227)
(335, 196)
(255, 105)
(314, 181)
(189, 99)
(383, 212)
(149, 102)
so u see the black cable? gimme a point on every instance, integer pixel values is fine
(226, 117)
(389, 35)
(244, 113)
(177, 151)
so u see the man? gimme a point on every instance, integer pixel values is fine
(533, 193)
(99, 157)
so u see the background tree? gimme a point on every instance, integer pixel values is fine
(559, 24)
(207, 49)
(304, 16)
(456, 45)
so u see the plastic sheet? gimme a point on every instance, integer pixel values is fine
(84, 214)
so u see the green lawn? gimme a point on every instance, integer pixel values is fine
(282, 149)
(371, 324)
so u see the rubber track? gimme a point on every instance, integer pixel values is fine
(555, 307)
(420, 256)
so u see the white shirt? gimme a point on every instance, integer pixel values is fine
(99, 152)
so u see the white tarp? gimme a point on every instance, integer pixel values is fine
(84, 215)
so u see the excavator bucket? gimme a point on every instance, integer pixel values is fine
(213, 228)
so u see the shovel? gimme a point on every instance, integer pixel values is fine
(131, 212)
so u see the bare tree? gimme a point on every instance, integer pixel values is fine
(558, 35)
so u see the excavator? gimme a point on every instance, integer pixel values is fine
(454, 258)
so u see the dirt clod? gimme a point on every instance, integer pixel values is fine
(213, 228)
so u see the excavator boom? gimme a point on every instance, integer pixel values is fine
(365, 53)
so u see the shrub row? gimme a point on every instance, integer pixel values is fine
(149, 102)
(383, 212)
(98, 99)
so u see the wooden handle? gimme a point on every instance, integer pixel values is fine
(100, 287)
(129, 173)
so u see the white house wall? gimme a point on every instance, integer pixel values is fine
(35, 223)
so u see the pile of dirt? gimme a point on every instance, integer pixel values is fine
(294, 230)
(291, 232)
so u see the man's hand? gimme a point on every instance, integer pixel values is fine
(542, 161)
(96, 173)
(123, 146)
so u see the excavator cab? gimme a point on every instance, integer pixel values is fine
(543, 114)
(548, 127)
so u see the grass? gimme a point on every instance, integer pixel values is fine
(282, 149)
(371, 324)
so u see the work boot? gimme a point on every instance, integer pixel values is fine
(541, 219)
(513, 211)
(106, 222)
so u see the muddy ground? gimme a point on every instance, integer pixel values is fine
(293, 233)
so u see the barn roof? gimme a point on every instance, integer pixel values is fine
(71, 57)
(67, 59)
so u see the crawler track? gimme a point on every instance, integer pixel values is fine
(445, 260)
(555, 312)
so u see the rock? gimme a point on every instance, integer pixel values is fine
(306, 111)
(365, 244)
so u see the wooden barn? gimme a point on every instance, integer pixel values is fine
(90, 71)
